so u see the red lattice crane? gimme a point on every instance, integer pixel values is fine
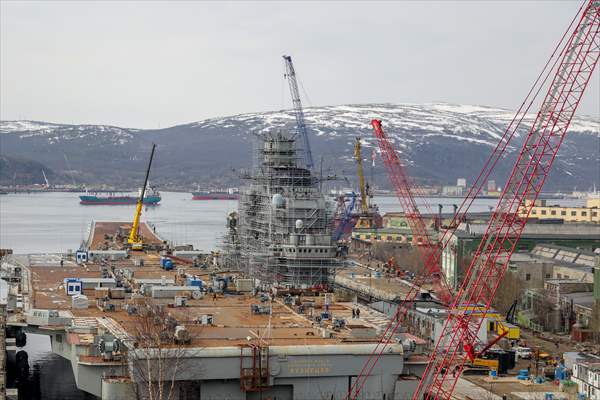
(472, 194)
(457, 343)
(405, 191)
(426, 247)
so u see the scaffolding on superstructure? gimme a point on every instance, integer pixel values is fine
(284, 219)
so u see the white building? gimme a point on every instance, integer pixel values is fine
(587, 376)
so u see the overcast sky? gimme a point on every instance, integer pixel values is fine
(149, 64)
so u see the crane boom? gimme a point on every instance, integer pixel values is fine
(577, 63)
(290, 74)
(479, 182)
(422, 242)
(345, 218)
(46, 179)
(404, 191)
(364, 207)
(134, 236)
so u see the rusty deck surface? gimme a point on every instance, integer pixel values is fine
(233, 321)
(104, 232)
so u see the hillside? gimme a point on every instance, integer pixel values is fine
(24, 171)
(439, 142)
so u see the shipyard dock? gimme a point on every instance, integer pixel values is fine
(199, 331)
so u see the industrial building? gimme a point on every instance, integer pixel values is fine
(586, 374)
(466, 238)
(396, 233)
(590, 213)
(565, 299)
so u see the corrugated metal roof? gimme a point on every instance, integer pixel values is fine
(583, 231)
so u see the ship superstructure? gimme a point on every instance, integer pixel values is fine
(284, 219)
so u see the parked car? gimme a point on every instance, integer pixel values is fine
(523, 352)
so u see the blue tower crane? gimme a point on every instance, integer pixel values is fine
(346, 218)
(290, 74)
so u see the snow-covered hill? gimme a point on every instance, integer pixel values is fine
(439, 142)
(60, 132)
(475, 124)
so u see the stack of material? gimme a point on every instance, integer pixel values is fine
(244, 285)
(172, 291)
(80, 301)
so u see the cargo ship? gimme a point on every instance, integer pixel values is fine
(151, 198)
(215, 195)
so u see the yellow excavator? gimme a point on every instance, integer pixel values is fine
(365, 220)
(135, 239)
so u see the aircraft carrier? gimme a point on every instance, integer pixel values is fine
(136, 323)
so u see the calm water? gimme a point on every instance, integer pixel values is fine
(50, 376)
(56, 222)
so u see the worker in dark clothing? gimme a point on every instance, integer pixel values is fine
(357, 312)
(353, 313)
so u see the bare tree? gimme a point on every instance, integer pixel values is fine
(406, 257)
(544, 310)
(157, 354)
(510, 289)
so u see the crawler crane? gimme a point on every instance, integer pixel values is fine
(570, 77)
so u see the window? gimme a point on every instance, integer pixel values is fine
(573, 213)
(548, 276)
(378, 237)
(389, 237)
(527, 277)
(594, 213)
(584, 213)
(563, 212)
(559, 276)
(553, 212)
(533, 212)
(543, 212)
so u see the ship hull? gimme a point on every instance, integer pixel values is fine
(214, 196)
(118, 200)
